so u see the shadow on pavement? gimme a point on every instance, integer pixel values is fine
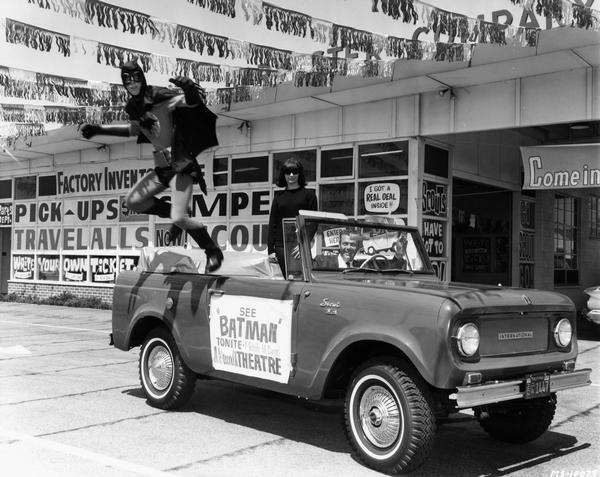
(462, 448)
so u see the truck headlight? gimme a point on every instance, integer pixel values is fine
(468, 339)
(563, 332)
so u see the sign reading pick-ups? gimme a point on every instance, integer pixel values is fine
(561, 167)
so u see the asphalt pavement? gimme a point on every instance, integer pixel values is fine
(71, 405)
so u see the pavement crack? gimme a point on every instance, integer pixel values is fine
(245, 450)
(101, 424)
(56, 354)
(74, 368)
(572, 418)
(62, 396)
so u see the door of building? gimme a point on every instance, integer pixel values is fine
(481, 238)
(4, 258)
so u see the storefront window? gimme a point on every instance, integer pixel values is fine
(382, 160)
(25, 187)
(220, 170)
(48, 267)
(594, 217)
(566, 269)
(337, 198)
(436, 161)
(6, 189)
(336, 162)
(250, 169)
(307, 158)
(47, 185)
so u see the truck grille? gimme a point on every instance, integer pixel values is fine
(513, 334)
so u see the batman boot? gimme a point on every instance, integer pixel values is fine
(159, 207)
(214, 256)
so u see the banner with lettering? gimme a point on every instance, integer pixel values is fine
(23, 267)
(434, 207)
(434, 236)
(572, 166)
(5, 214)
(251, 336)
(48, 267)
(75, 268)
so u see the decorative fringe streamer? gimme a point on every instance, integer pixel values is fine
(357, 40)
(166, 32)
(565, 13)
(397, 9)
(56, 89)
(32, 115)
(196, 40)
(321, 31)
(21, 132)
(223, 7)
(111, 16)
(73, 8)
(286, 21)
(201, 72)
(265, 56)
(36, 38)
(115, 56)
(253, 11)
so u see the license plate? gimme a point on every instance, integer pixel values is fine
(537, 385)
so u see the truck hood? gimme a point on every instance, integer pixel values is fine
(473, 296)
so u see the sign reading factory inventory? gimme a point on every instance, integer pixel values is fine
(561, 167)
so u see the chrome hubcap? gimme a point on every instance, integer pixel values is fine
(160, 367)
(380, 416)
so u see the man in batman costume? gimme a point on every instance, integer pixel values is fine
(179, 126)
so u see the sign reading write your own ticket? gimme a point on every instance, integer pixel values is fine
(251, 336)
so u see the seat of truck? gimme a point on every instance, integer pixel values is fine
(193, 260)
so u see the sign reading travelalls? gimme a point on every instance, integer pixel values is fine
(572, 166)
(251, 336)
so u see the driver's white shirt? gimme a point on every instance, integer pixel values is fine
(341, 263)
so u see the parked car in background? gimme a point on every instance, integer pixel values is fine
(592, 310)
(400, 346)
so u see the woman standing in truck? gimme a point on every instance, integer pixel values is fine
(286, 204)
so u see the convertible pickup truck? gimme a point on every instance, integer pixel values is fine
(376, 331)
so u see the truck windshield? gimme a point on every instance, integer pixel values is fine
(344, 246)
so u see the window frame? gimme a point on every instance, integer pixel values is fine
(570, 226)
(594, 217)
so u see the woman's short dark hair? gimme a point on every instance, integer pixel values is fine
(291, 162)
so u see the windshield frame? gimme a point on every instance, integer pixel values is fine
(306, 222)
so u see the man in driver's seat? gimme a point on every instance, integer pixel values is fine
(349, 245)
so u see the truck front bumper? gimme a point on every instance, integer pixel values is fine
(497, 391)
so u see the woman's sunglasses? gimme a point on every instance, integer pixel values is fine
(291, 170)
(135, 77)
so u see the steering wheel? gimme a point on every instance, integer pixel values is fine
(374, 260)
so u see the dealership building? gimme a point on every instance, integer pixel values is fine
(493, 154)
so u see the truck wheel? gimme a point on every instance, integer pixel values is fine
(389, 421)
(519, 421)
(166, 380)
